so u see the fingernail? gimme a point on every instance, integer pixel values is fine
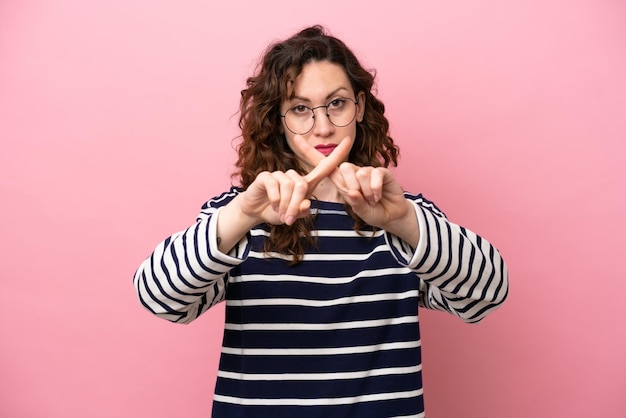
(376, 197)
(290, 219)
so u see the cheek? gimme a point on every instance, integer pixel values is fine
(351, 131)
(291, 144)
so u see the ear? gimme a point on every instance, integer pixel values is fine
(360, 111)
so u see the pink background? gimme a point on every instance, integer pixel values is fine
(116, 122)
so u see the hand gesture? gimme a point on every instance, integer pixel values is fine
(372, 192)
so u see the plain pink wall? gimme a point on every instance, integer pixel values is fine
(116, 121)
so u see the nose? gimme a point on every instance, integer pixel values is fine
(322, 126)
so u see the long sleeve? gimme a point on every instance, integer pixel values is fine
(335, 335)
(186, 274)
(460, 272)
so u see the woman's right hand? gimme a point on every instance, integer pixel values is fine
(276, 198)
(282, 197)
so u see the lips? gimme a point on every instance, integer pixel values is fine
(326, 149)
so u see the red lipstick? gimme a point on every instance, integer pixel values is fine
(326, 149)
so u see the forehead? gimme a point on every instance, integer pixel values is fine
(318, 79)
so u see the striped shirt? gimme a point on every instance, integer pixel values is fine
(336, 335)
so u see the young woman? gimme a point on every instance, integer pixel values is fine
(320, 256)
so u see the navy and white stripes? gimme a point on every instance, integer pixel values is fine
(337, 334)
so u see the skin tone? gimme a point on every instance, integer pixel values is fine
(282, 197)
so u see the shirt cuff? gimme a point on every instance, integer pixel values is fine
(402, 251)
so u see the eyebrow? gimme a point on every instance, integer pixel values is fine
(328, 96)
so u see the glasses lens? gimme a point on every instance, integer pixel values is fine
(341, 112)
(299, 120)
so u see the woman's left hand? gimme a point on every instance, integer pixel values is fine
(373, 193)
(376, 197)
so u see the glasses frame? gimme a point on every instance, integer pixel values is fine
(312, 109)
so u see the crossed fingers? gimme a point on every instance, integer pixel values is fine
(291, 193)
(324, 166)
(359, 185)
(372, 192)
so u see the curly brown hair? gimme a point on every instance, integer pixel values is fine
(264, 147)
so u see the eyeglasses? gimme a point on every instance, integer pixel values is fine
(301, 119)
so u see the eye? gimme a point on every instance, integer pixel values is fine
(337, 103)
(300, 110)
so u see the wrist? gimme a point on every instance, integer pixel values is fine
(239, 216)
(406, 227)
(232, 225)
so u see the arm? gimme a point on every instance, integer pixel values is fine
(461, 272)
(186, 273)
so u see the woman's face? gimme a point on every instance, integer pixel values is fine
(321, 83)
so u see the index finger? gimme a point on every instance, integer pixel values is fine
(324, 165)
